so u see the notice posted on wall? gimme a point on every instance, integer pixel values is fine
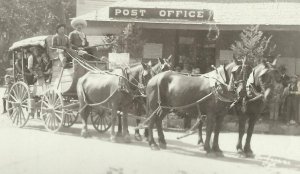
(117, 60)
(226, 56)
(152, 50)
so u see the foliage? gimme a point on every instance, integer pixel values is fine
(20, 19)
(129, 41)
(252, 46)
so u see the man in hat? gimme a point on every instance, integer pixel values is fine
(77, 38)
(61, 42)
(292, 100)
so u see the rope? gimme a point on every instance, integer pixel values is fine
(142, 125)
(97, 70)
(188, 105)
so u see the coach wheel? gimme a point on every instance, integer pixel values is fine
(101, 119)
(70, 118)
(18, 106)
(52, 111)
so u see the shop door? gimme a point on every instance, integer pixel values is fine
(206, 58)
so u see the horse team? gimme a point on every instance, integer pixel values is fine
(157, 90)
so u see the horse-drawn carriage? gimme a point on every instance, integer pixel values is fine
(57, 102)
(54, 101)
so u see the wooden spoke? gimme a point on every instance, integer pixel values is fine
(14, 98)
(101, 120)
(52, 104)
(56, 111)
(58, 116)
(18, 99)
(70, 118)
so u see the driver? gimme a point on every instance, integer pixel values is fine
(77, 38)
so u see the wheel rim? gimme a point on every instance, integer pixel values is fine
(101, 120)
(52, 110)
(70, 118)
(18, 110)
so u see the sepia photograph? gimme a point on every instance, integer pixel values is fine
(149, 86)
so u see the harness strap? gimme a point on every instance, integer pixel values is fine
(95, 104)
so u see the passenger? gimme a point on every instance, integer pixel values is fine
(38, 72)
(33, 63)
(29, 77)
(61, 42)
(47, 68)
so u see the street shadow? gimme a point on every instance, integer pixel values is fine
(182, 148)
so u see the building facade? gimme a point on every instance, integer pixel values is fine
(188, 29)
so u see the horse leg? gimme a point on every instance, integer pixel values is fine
(151, 140)
(215, 146)
(161, 138)
(125, 128)
(209, 128)
(247, 148)
(137, 134)
(84, 114)
(242, 125)
(119, 134)
(113, 123)
(200, 126)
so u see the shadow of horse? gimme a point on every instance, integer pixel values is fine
(186, 149)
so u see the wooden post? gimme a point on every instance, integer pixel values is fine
(23, 65)
(13, 55)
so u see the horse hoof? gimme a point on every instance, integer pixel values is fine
(119, 134)
(249, 155)
(138, 137)
(162, 145)
(219, 154)
(154, 147)
(113, 139)
(240, 151)
(127, 139)
(200, 143)
(211, 154)
(85, 134)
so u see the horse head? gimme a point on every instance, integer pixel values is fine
(162, 65)
(239, 73)
(261, 81)
(146, 74)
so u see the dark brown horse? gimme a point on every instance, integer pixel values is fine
(110, 90)
(259, 92)
(240, 72)
(170, 90)
(260, 78)
(139, 102)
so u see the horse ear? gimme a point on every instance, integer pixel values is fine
(161, 60)
(274, 62)
(144, 65)
(169, 58)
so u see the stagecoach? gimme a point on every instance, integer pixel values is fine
(54, 102)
